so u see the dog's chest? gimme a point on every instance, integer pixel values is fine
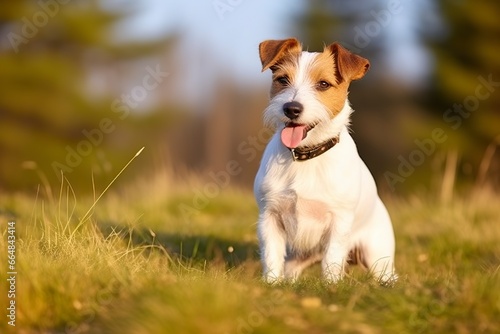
(304, 197)
(304, 206)
(301, 196)
(305, 221)
(291, 208)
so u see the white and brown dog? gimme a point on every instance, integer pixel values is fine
(317, 199)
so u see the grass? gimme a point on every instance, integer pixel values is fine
(138, 264)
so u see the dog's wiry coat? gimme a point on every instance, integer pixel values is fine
(327, 207)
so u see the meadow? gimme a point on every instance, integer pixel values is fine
(137, 261)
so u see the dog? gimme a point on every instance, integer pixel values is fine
(317, 199)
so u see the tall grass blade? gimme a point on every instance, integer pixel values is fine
(87, 214)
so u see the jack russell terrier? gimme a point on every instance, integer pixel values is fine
(317, 199)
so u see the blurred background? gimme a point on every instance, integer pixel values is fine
(85, 84)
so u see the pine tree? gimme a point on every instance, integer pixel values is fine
(58, 79)
(465, 89)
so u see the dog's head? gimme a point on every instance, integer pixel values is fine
(308, 90)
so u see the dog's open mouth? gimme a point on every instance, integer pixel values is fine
(294, 133)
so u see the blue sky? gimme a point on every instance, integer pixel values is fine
(229, 33)
(224, 35)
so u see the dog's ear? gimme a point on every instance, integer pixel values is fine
(349, 66)
(271, 51)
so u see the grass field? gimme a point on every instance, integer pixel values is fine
(155, 257)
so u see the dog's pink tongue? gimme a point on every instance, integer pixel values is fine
(291, 136)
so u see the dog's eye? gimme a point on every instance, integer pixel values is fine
(323, 85)
(283, 80)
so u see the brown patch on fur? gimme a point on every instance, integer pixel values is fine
(350, 66)
(286, 69)
(281, 56)
(337, 67)
(273, 51)
(324, 69)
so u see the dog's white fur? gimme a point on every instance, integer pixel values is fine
(320, 209)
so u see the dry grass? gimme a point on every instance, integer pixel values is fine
(138, 264)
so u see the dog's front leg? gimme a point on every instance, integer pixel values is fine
(272, 247)
(337, 249)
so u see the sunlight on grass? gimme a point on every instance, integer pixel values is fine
(137, 265)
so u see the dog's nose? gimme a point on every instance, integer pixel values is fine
(292, 109)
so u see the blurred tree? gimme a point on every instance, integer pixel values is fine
(60, 75)
(464, 91)
(323, 22)
(318, 24)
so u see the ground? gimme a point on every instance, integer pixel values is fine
(158, 257)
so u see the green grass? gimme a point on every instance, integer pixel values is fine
(138, 265)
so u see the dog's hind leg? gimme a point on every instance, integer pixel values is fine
(378, 247)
